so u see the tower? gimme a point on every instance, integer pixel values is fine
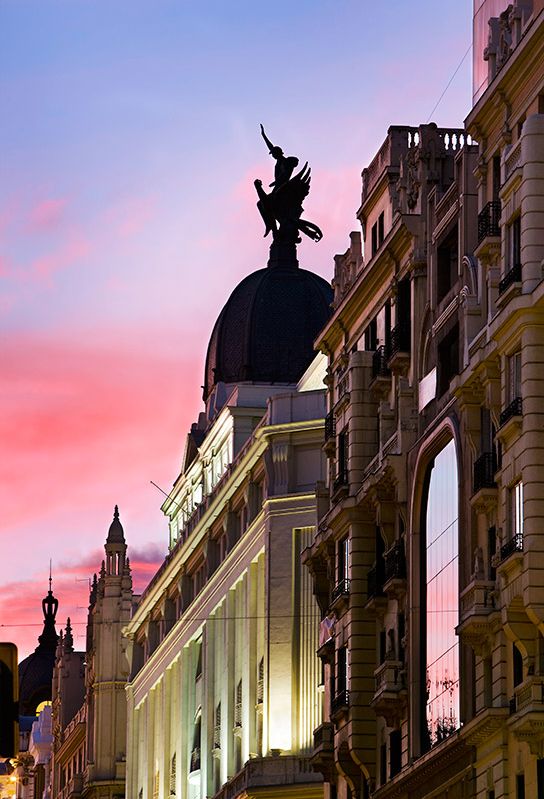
(107, 668)
(36, 670)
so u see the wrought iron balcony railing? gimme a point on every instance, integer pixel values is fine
(395, 562)
(379, 363)
(514, 545)
(484, 471)
(512, 276)
(330, 426)
(489, 220)
(195, 759)
(341, 480)
(514, 409)
(340, 701)
(340, 589)
(400, 339)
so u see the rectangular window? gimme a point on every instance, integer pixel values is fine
(496, 176)
(513, 366)
(343, 559)
(371, 336)
(448, 360)
(238, 705)
(383, 764)
(374, 236)
(395, 753)
(520, 786)
(516, 513)
(514, 243)
(446, 264)
(381, 229)
(342, 670)
(342, 465)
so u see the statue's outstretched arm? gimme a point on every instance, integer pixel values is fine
(267, 140)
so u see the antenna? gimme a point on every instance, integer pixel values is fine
(165, 494)
(50, 573)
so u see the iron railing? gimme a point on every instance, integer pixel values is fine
(195, 759)
(379, 362)
(330, 426)
(395, 562)
(512, 276)
(484, 471)
(400, 339)
(341, 480)
(514, 409)
(340, 589)
(489, 220)
(340, 701)
(514, 545)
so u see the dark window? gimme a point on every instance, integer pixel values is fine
(520, 786)
(381, 228)
(342, 465)
(374, 235)
(541, 103)
(540, 777)
(448, 360)
(446, 264)
(343, 559)
(496, 165)
(517, 662)
(395, 753)
(514, 243)
(342, 670)
(238, 705)
(401, 632)
(371, 336)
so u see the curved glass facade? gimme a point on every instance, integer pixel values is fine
(442, 590)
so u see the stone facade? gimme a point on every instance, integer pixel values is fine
(224, 692)
(426, 562)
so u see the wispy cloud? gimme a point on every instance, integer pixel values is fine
(46, 215)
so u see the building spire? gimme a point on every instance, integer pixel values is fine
(50, 605)
(116, 534)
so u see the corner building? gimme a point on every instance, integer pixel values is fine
(224, 692)
(427, 562)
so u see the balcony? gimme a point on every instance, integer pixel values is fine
(323, 753)
(340, 594)
(73, 788)
(381, 373)
(340, 704)
(484, 471)
(511, 278)
(330, 434)
(390, 693)
(395, 570)
(526, 711)
(512, 411)
(399, 351)
(515, 544)
(489, 221)
(477, 604)
(340, 486)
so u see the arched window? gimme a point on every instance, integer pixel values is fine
(442, 596)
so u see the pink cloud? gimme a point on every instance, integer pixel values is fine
(20, 602)
(46, 215)
(74, 249)
(131, 216)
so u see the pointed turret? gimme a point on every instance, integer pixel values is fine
(115, 547)
(116, 534)
(68, 637)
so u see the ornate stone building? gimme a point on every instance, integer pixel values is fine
(224, 693)
(428, 555)
(89, 703)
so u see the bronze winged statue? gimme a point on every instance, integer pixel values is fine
(281, 209)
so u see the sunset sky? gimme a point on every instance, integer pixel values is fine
(128, 148)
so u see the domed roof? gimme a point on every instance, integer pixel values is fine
(266, 330)
(116, 534)
(36, 670)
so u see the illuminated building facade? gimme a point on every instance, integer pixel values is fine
(428, 555)
(224, 693)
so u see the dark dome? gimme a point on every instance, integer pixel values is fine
(266, 330)
(35, 680)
